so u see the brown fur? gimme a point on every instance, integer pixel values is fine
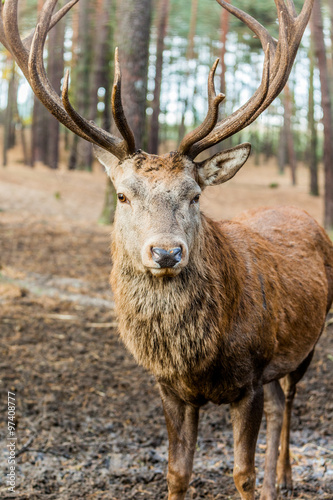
(244, 310)
(248, 308)
(243, 303)
(253, 268)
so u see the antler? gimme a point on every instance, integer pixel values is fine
(28, 54)
(210, 121)
(279, 58)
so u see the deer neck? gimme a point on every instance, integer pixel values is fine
(174, 325)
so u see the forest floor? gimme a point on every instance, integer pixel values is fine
(89, 421)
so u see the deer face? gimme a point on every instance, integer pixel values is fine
(158, 204)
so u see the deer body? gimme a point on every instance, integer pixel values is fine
(236, 315)
(225, 312)
(241, 310)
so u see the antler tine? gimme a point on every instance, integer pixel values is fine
(61, 13)
(37, 75)
(12, 36)
(211, 118)
(99, 136)
(2, 31)
(289, 40)
(292, 8)
(241, 116)
(29, 56)
(276, 85)
(303, 19)
(118, 110)
(258, 29)
(11, 20)
(281, 53)
(45, 92)
(54, 20)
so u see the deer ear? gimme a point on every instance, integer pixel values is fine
(107, 159)
(223, 166)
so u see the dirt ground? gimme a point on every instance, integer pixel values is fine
(89, 420)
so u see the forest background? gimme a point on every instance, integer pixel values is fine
(90, 421)
(167, 48)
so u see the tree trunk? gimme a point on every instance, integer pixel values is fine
(81, 148)
(282, 153)
(100, 71)
(24, 144)
(289, 133)
(224, 32)
(72, 139)
(55, 70)
(162, 21)
(106, 54)
(73, 154)
(319, 45)
(330, 53)
(187, 101)
(104, 80)
(132, 38)
(11, 109)
(181, 127)
(193, 25)
(39, 135)
(312, 151)
(110, 200)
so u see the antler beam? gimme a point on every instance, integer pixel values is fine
(279, 58)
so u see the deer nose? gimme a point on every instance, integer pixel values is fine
(166, 258)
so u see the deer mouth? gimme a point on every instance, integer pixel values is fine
(166, 272)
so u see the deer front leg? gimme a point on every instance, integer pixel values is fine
(289, 387)
(284, 467)
(246, 416)
(182, 425)
(273, 408)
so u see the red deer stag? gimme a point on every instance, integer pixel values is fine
(227, 312)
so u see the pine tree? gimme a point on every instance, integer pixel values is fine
(320, 51)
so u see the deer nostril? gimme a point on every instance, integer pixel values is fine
(166, 258)
(176, 253)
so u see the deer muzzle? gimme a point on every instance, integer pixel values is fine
(164, 256)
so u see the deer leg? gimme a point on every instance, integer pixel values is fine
(284, 467)
(273, 408)
(289, 387)
(246, 416)
(182, 425)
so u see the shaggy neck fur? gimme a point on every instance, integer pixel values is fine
(173, 325)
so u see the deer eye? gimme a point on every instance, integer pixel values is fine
(122, 198)
(195, 199)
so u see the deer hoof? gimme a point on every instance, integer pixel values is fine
(285, 483)
(268, 495)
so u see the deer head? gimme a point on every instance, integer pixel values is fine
(158, 216)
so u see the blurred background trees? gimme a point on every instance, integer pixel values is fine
(166, 50)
